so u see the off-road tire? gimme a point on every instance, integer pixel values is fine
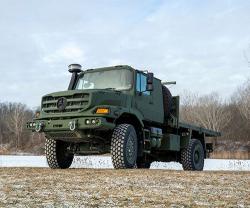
(167, 101)
(57, 155)
(192, 157)
(124, 147)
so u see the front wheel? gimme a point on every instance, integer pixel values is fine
(192, 157)
(57, 154)
(124, 147)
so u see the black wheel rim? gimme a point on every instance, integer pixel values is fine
(197, 156)
(130, 149)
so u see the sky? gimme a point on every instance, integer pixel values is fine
(203, 45)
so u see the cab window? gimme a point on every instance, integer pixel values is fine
(141, 84)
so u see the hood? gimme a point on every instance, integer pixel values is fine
(75, 101)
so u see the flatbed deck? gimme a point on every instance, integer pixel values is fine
(207, 132)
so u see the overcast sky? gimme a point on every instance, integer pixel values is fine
(199, 44)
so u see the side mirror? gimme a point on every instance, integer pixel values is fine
(150, 80)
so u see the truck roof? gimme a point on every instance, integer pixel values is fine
(117, 67)
(111, 68)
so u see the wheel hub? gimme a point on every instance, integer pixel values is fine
(197, 155)
(130, 149)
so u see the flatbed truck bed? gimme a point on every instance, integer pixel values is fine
(199, 129)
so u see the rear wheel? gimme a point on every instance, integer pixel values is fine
(192, 157)
(57, 154)
(124, 146)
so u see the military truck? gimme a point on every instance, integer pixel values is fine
(123, 111)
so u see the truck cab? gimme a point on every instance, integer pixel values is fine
(119, 110)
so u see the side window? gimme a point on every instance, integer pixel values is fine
(138, 82)
(141, 84)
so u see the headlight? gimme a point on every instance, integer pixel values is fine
(87, 121)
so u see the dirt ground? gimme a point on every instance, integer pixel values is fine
(43, 187)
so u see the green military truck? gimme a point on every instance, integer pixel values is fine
(121, 110)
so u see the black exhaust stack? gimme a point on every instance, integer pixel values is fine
(75, 69)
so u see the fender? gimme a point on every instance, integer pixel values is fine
(133, 113)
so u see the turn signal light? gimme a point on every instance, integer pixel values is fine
(102, 111)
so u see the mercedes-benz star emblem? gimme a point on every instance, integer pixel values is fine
(61, 103)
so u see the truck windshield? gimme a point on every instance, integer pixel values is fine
(106, 79)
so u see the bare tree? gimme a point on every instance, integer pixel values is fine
(16, 121)
(243, 100)
(13, 132)
(207, 111)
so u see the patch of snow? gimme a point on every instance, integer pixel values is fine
(104, 162)
(92, 162)
(23, 161)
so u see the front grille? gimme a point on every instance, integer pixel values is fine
(75, 103)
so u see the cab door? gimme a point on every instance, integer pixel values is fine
(144, 101)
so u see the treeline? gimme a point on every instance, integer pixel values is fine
(14, 137)
(231, 117)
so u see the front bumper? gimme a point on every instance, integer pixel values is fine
(72, 124)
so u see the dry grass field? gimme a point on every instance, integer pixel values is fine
(239, 155)
(43, 187)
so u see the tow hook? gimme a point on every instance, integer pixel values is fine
(72, 125)
(39, 127)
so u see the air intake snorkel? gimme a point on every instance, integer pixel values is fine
(75, 69)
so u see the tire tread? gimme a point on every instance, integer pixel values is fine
(187, 154)
(117, 145)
